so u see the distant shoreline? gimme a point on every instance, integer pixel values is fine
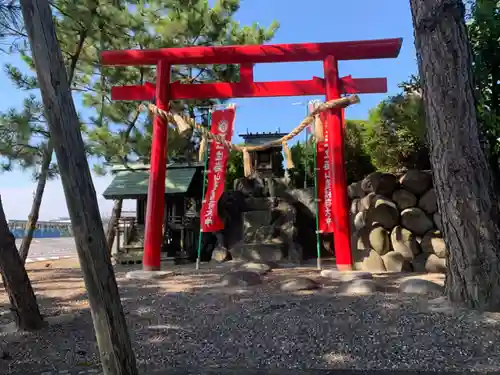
(44, 229)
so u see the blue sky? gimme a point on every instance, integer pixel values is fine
(311, 21)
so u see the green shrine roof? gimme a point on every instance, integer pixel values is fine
(132, 181)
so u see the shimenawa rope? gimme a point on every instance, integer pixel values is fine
(185, 123)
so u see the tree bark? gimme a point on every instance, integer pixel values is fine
(23, 302)
(37, 202)
(462, 176)
(115, 349)
(47, 156)
(113, 221)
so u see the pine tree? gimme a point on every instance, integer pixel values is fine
(117, 356)
(119, 134)
(10, 23)
(463, 179)
(79, 26)
(23, 303)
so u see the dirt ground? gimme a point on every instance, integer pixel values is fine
(189, 320)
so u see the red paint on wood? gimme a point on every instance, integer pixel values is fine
(246, 73)
(352, 50)
(156, 188)
(224, 90)
(341, 225)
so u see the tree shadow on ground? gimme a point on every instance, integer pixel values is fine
(190, 320)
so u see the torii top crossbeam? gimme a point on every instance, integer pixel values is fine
(355, 50)
(246, 56)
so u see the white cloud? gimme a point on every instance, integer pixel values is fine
(17, 200)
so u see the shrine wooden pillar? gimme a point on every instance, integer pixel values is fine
(156, 188)
(340, 202)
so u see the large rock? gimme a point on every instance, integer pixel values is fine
(394, 262)
(418, 263)
(417, 182)
(354, 190)
(241, 278)
(433, 243)
(434, 264)
(384, 212)
(220, 254)
(298, 284)
(380, 183)
(429, 263)
(360, 220)
(367, 200)
(437, 221)
(404, 199)
(368, 260)
(420, 286)
(252, 186)
(355, 206)
(363, 239)
(428, 202)
(260, 268)
(415, 220)
(404, 242)
(258, 204)
(379, 240)
(295, 253)
(358, 287)
(346, 275)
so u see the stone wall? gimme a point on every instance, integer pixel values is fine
(395, 223)
(290, 216)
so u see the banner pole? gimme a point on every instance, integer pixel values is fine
(318, 247)
(205, 172)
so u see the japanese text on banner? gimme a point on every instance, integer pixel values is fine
(324, 181)
(222, 124)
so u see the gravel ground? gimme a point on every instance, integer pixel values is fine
(188, 321)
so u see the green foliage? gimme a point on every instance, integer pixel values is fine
(174, 23)
(23, 138)
(358, 163)
(302, 174)
(395, 134)
(484, 35)
(77, 25)
(235, 168)
(10, 24)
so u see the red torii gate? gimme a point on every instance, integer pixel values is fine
(246, 56)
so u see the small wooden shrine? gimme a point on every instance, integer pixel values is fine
(181, 225)
(269, 162)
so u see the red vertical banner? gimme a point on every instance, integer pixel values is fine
(324, 180)
(222, 124)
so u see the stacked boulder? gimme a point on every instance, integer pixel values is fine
(395, 223)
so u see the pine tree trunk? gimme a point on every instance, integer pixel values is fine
(37, 202)
(462, 176)
(23, 302)
(111, 331)
(113, 221)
